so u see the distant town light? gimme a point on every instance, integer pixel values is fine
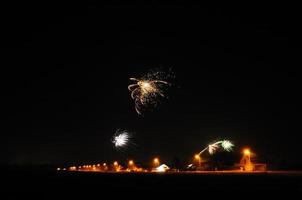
(246, 152)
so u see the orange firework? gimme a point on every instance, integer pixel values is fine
(146, 93)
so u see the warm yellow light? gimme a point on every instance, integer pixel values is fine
(98, 165)
(156, 161)
(146, 85)
(197, 157)
(131, 162)
(73, 168)
(247, 152)
(104, 164)
(115, 163)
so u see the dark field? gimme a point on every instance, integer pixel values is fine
(72, 184)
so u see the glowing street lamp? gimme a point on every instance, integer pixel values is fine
(73, 168)
(246, 160)
(105, 166)
(131, 163)
(116, 166)
(156, 162)
(198, 159)
(246, 152)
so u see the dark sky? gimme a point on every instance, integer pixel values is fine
(65, 69)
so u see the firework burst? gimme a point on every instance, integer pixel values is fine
(121, 139)
(148, 90)
(226, 145)
(212, 148)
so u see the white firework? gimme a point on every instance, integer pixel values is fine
(121, 139)
(212, 148)
(227, 145)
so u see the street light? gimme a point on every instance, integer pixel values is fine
(116, 166)
(156, 162)
(246, 160)
(131, 165)
(105, 168)
(198, 159)
(247, 152)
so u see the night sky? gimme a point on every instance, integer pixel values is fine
(65, 69)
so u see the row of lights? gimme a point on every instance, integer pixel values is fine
(115, 164)
(156, 163)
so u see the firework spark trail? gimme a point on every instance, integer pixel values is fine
(147, 90)
(203, 150)
(212, 148)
